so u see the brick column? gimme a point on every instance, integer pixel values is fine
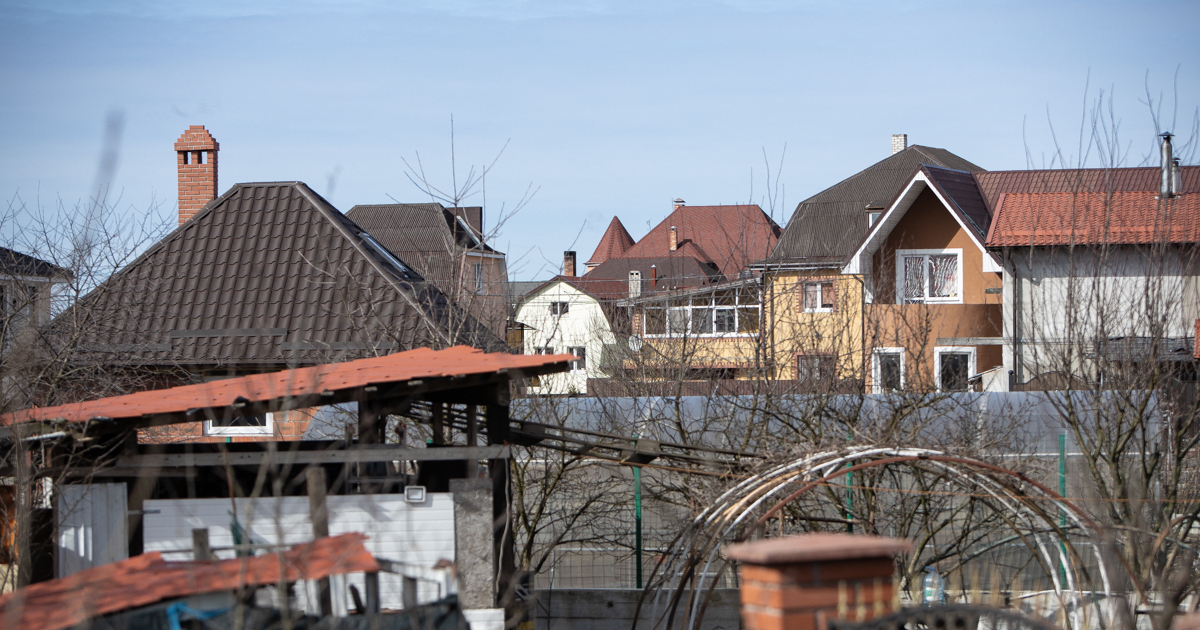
(196, 160)
(802, 582)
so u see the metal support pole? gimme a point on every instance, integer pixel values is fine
(320, 525)
(371, 582)
(637, 519)
(1062, 491)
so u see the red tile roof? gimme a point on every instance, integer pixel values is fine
(615, 241)
(147, 579)
(731, 237)
(1025, 219)
(1079, 180)
(287, 385)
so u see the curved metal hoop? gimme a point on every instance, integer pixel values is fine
(693, 565)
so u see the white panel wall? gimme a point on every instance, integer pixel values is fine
(584, 325)
(92, 525)
(416, 534)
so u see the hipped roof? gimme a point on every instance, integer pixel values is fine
(729, 237)
(269, 273)
(426, 236)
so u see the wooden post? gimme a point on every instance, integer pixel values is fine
(504, 554)
(438, 421)
(320, 524)
(371, 581)
(408, 593)
(200, 546)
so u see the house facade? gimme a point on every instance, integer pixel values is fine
(1102, 281)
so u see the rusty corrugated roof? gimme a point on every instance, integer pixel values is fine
(268, 274)
(281, 387)
(146, 579)
(615, 241)
(1037, 219)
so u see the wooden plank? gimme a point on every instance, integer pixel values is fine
(334, 456)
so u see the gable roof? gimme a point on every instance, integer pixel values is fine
(615, 241)
(1140, 217)
(729, 237)
(269, 273)
(15, 263)
(826, 228)
(956, 192)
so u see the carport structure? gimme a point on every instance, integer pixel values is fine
(460, 394)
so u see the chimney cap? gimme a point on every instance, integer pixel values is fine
(816, 547)
(678, 201)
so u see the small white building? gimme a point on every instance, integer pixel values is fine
(569, 315)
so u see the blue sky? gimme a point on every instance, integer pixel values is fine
(607, 108)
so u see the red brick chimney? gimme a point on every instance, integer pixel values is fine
(802, 582)
(674, 238)
(569, 264)
(196, 152)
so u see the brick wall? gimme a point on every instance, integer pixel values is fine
(196, 160)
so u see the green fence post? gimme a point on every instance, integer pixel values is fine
(637, 518)
(1062, 491)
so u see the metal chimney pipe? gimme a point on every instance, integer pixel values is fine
(1176, 177)
(1167, 161)
(653, 276)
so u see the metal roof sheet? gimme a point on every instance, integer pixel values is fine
(832, 223)
(1092, 180)
(1037, 219)
(730, 237)
(146, 579)
(16, 263)
(293, 385)
(615, 241)
(264, 257)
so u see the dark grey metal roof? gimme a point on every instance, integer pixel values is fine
(13, 262)
(267, 274)
(426, 235)
(831, 224)
(960, 190)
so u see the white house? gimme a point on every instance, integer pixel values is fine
(1094, 277)
(565, 315)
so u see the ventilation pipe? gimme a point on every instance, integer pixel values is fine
(635, 284)
(1167, 189)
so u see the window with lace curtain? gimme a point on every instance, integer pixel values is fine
(928, 276)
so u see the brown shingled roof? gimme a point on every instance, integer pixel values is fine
(615, 241)
(267, 274)
(1029, 219)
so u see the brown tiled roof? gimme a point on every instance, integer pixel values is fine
(267, 274)
(426, 236)
(730, 237)
(827, 227)
(674, 272)
(1091, 180)
(615, 241)
(1027, 219)
(291, 388)
(147, 579)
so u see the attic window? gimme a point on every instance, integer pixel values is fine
(872, 217)
(384, 253)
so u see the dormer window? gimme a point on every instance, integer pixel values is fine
(873, 214)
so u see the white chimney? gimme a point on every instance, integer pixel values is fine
(899, 142)
(635, 284)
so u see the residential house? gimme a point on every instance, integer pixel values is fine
(1101, 273)
(657, 308)
(882, 282)
(265, 277)
(446, 247)
(27, 286)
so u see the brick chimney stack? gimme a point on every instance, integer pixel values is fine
(196, 159)
(803, 582)
(674, 238)
(899, 142)
(569, 264)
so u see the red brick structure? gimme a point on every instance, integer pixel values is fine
(802, 582)
(196, 157)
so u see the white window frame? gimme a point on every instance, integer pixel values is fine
(479, 277)
(876, 378)
(938, 351)
(575, 367)
(902, 253)
(266, 429)
(710, 304)
(804, 284)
